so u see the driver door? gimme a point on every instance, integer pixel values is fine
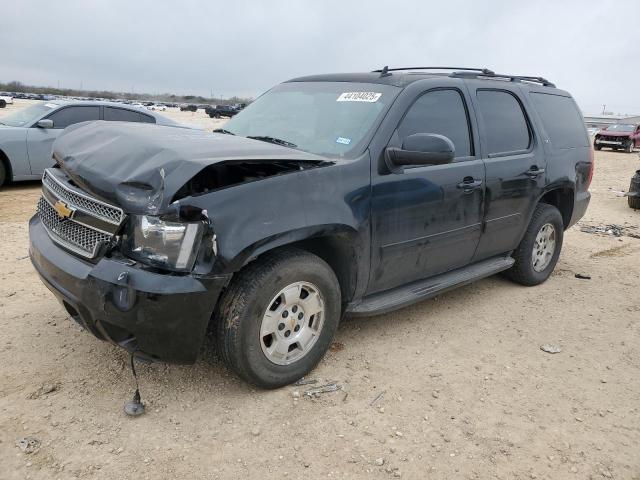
(40, 140)
(427, 220)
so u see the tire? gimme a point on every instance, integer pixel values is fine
(634, 202)
(3, 103)
(523, 270)
(240, 325)
(629, 147)
(598, 147)
(3, 174)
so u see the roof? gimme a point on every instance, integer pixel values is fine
(401, 77)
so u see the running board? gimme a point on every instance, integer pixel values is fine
(389, 300)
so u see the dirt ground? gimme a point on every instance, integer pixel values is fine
(467, 391)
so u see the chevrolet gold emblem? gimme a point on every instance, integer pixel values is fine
(63, 211)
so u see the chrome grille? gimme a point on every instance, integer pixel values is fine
(76, 237)
(75, 220)
(100, 209)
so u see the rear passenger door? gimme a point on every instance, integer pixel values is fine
(514, 162)
(40, 140)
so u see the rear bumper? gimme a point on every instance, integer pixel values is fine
(579, 207)
(160, 317)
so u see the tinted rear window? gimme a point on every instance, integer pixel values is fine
(123, 115)
(505, 125)
(561, 120)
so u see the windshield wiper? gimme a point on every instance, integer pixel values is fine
(277, 141)
(222, 130)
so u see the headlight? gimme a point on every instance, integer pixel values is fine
(169, 245)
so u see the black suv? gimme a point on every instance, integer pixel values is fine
(329, 195)
(217, 111)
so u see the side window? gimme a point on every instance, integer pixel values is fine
(561, 120)
(120, 115)
(442, 112)
(115, 114)
(504, 122)
(70, 115)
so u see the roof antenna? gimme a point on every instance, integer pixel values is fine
(385, 71)
(134, 407)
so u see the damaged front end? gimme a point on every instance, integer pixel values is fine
(120, 240)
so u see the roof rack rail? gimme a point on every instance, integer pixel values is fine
(469, 73)
(514, 78)
(385, 70)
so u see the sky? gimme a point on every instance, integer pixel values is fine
(238, 47)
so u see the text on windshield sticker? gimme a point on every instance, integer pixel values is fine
(359, 97)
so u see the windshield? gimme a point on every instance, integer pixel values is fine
(325, 118)
(620, 128)
(26, 116)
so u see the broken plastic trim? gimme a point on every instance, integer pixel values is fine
(227, 174)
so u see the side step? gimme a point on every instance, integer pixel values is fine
(389, 300)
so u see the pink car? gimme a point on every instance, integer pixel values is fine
(620, 136)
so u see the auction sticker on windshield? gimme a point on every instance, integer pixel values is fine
(359, 97)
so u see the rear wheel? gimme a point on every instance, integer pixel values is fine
(3, 103)
(278, 317)
(538, 252)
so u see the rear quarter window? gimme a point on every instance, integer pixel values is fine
(561, 120)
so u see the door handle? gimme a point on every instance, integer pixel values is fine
(470, 184)
(534, 171)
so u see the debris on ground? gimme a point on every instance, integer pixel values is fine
(613, 229)
(378, 398)
(583, 277)
(329, 387)
(28, 444)
(43, 390)
(549, 348)
(304, 381)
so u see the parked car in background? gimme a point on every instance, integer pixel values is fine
(27, 135)
(158, 106)
(620, 136)
(5, 100)
(333, 194)
(217, 111)
(188, 107)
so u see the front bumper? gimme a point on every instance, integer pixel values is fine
(158, 316)
(612, 143)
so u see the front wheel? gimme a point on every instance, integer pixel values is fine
(3, 174)
(278, 317)
(629, 147)
(538, 252)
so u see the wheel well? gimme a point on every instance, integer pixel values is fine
(340, 254)
(563, 199)
(7, 165)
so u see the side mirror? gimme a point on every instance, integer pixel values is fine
(420, 149)
(45, 123)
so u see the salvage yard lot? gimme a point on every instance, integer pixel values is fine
(466, 390)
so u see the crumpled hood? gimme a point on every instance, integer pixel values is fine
(614, 134)
(141, 166)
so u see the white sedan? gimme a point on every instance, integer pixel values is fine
(27, 136)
